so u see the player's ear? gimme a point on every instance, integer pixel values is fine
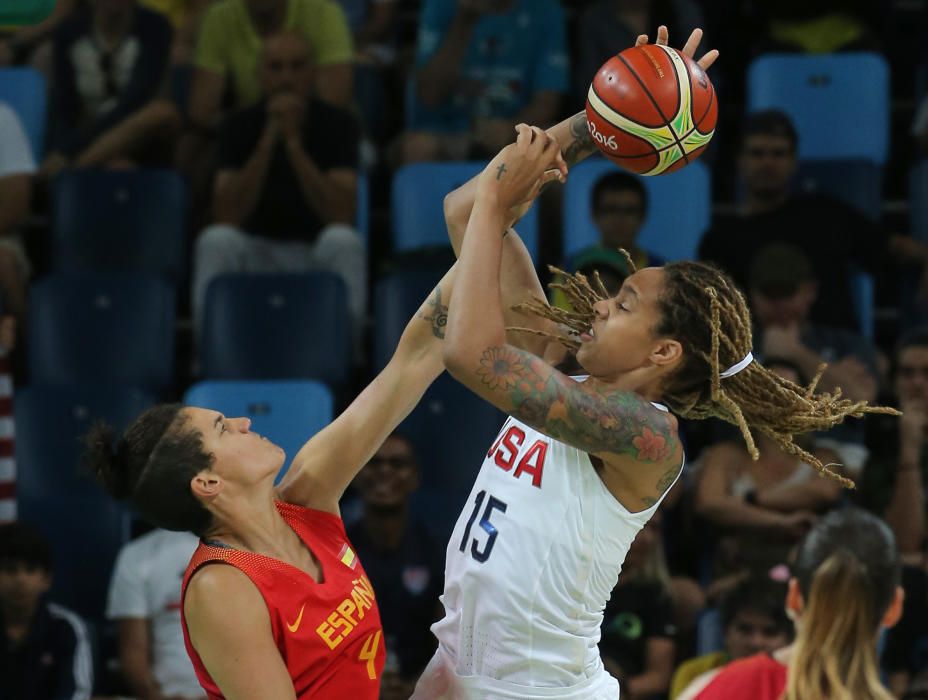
(666, 352)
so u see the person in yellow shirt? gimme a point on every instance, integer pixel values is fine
(231, 37)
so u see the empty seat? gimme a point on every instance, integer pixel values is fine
(838, 102)
(108, 328)
(418, 205)
(118, 221)
(277, 326)
(23, 89)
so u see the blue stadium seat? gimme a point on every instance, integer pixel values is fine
(85, 526)
(107, 328)
(679, 209)
(23, 89)
(452, 429)
(838, 102)
(918, 200)
(856, 182)
(287, 413)
(277, 326)
(418, 205)
(397, 297)
(120, 221)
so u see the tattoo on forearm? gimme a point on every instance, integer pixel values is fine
(582, 144)
(592, 419)
(500, 170)
(438, 314)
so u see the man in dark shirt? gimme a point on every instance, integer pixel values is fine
(834, 236)
(284, 196)
(404, 563)
(45, 650)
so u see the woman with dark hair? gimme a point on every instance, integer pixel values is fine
(292, 614)
(844, 590)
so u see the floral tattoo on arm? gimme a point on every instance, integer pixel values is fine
(594, 420)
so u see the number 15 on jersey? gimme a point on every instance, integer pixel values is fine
(493, 503)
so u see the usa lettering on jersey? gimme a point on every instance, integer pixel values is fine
(507, 452)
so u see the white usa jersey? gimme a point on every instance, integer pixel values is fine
(532, 561)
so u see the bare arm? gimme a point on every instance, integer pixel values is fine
(29, 36)
(238, 650)
(236, 192)
(714, 499)
(905, 513)
(135, 657)
(15, 201)
(330, 194)
(325, 466)
(617, 424)
(655, 679)
(437, 78)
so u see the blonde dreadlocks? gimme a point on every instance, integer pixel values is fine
(702, 308)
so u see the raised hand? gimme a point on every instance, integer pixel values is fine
(689, 48)
(518, 171)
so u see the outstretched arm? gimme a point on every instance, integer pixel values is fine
(324, 467)
(590, 417)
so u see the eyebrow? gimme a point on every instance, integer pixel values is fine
(630, 289)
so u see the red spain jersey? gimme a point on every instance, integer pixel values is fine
(329, 634)
(758, 677)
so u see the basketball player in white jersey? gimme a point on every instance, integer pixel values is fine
(580, 466)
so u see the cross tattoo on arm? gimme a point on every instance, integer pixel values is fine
(500, 170)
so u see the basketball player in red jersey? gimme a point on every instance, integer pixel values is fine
(290, 612)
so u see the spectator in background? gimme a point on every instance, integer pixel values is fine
(833, 235)
(893, 485)
(226, 69)
(893, 481)
(232, 37)
(783, 289)
(638, 641)
(607, 26)
(753, 621)
(761, 508)
(619, 204)
(405, 565)
(45, 650)
(144, 601)
(844, 590)
(284, 197)
(17, 171)
(111, 64)
(481, 68)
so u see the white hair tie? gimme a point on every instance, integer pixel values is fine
(737, 367)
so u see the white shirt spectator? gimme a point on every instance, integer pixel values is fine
(15, 152)
(146, 584)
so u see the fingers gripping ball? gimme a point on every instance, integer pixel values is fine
(651, 109)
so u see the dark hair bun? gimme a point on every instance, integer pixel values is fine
(109, 463)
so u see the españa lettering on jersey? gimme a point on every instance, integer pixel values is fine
(339, 623)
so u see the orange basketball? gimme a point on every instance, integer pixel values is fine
(651, 109)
